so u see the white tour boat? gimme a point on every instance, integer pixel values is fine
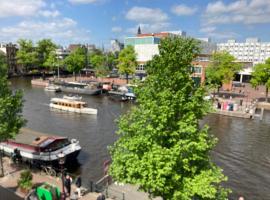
(74, 98)
(72, 106)
(52, 88)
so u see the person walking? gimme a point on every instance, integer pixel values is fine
(78, 184)
(68, 181)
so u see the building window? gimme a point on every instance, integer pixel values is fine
(197, 69)
(140, 67)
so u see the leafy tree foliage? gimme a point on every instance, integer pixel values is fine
(162, 148)
(11, 104)
(111, 60)
(261, 76)
(75, 61)
(98, 62)
(127, 61)
(53, 62)
(44, 48)
(221, 69)
(26, 55)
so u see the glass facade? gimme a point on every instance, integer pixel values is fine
(141, 40)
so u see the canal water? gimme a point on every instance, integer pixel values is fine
(243, 149)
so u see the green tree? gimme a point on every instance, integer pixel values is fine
(111, 60)
(221, 69)
(127, 61)
(98, 62)
(53, 62)
(26, 55)
(161, 147)
(44, 48)
(261, 76)
(75, 61)
(11, 104)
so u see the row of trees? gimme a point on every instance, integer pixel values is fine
(43, 55)
(30, 56)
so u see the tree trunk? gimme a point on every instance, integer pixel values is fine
(266, 94)
(74, 73)
(127, 77)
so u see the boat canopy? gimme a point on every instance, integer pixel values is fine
(59, 100)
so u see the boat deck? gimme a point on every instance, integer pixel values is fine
(27, 136)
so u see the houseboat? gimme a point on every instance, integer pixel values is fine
(80, 88)
(72, 106)
(39, 148)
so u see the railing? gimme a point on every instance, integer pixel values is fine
(102, 186)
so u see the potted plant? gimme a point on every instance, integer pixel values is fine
(25, 181)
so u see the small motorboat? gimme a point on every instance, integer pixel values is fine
(74, 98)
(52, 88)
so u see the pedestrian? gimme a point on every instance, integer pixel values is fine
(68, 181)
(101, 197)
(78, 184)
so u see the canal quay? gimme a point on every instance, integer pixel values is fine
(242, 150)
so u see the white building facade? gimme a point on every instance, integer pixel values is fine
(116, 46)
(3, 48)
(252, 50)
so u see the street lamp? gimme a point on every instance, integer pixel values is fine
(62, 158)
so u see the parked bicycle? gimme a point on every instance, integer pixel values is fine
(48, 170)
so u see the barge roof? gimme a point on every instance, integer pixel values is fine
(35, 138)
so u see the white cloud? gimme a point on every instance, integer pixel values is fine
(223, 35)
(20, 7)
(62, 31)
(149, 19)
(116, 29)
(49, 13)
(183, 10)
(146, 15)
(237, 12)
(83, 1)
(209, 29)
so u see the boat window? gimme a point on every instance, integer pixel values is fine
(58, 144)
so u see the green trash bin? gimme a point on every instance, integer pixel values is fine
(48, 192)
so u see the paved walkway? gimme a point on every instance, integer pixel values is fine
(12, 174)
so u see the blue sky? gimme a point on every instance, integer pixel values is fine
(98, 21)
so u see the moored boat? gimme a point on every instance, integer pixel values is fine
(52, 88)
(74, 98)
(80, 88)
(41, 149)
(72, 106)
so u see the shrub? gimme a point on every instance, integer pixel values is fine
(25, 181)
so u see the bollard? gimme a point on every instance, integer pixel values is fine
(91, 186)
(123, 196)
(107, 193)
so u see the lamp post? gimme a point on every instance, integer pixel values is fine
(62, 158)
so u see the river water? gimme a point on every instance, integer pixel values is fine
(242, 150)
